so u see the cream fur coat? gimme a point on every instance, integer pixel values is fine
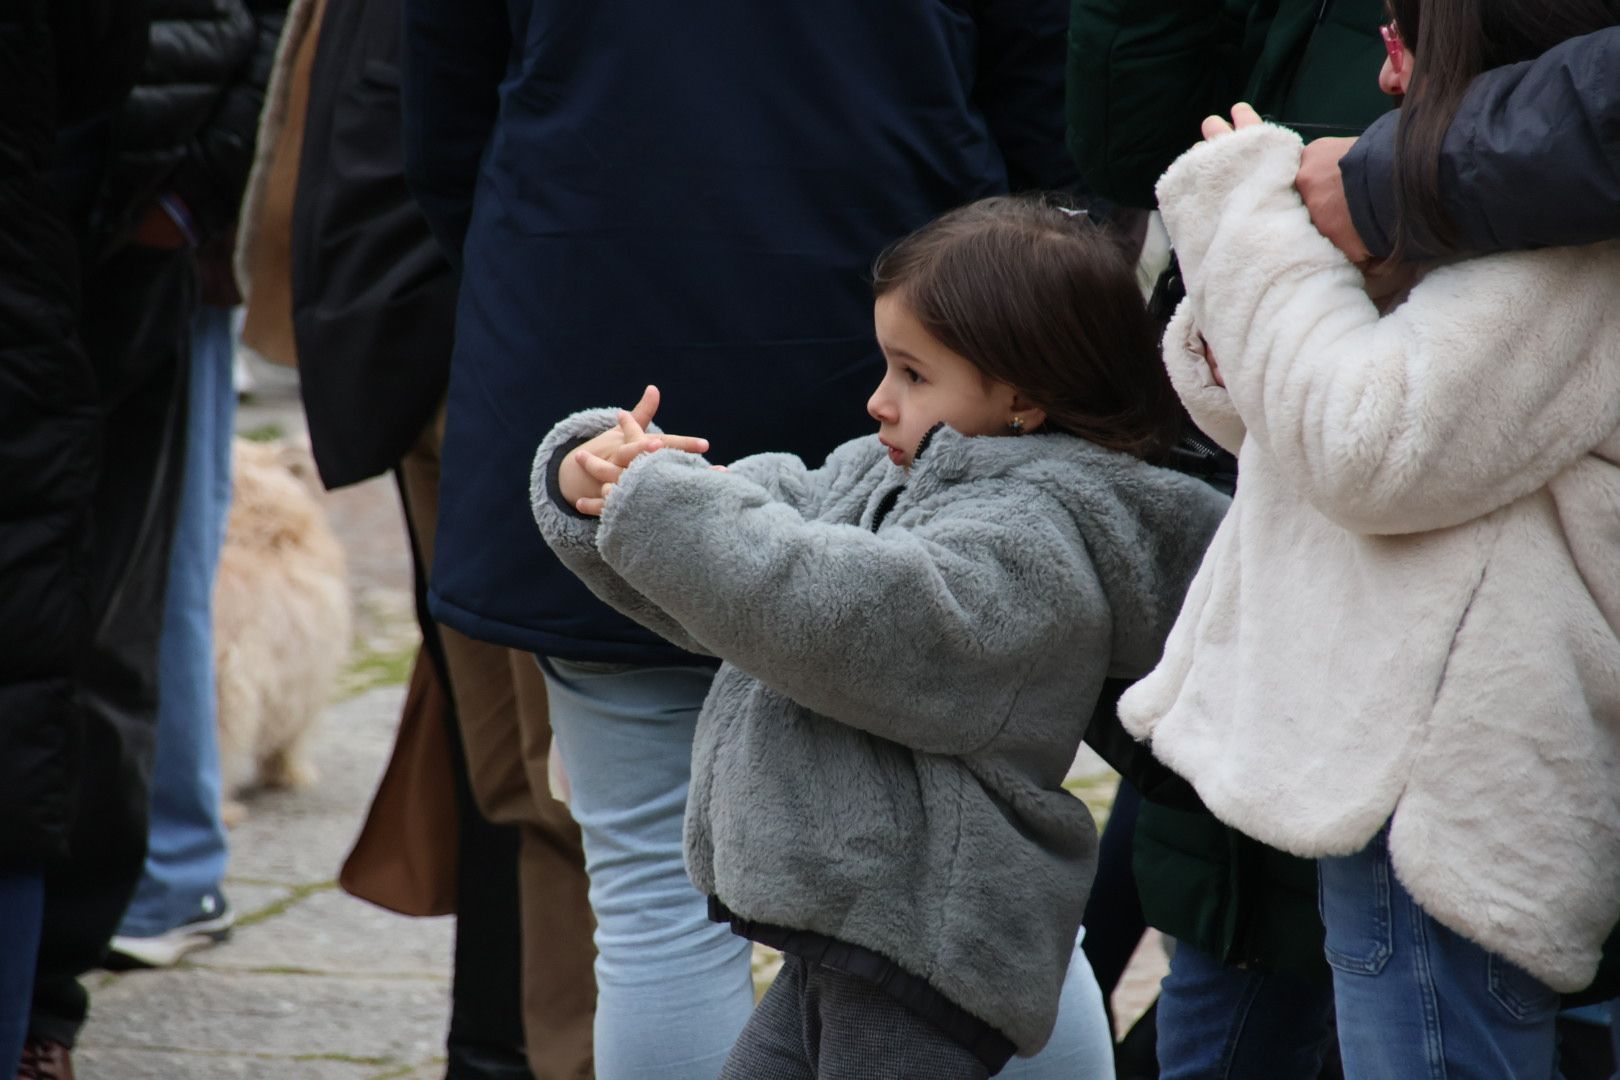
(1410, 613)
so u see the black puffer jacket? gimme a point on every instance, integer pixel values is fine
(189, 126)
(63, 63)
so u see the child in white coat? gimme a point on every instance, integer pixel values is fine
(1402, 653)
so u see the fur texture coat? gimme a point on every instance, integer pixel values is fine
(910, 662)
(1410, 614)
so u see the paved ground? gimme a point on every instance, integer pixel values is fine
(315, 985)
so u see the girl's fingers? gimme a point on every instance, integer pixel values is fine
(629, 428)
(599, 469)
(627, 453)
(1214, 127)
(647, 407)
(690, 443)
(590, 507)
(1243, 115)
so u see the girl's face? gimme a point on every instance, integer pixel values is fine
(925, 384)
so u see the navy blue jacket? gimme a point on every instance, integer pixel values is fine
(689, 194)
(1532, 158)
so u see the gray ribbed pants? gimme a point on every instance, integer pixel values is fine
(815, 1022)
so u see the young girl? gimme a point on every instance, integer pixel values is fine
(913, 636)
(1401, 654)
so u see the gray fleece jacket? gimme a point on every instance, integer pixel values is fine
(881, 757)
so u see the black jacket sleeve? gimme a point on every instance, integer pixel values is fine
(455, 54)
(49, 432)
(212, 175)
(1532, 158)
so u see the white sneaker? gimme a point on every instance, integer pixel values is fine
(211, 926)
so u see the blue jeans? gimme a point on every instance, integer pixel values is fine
(22, 906)
(1082, 1044)
(185, 858)
(673, 989)
(1417, 1000)
(1226, 1022)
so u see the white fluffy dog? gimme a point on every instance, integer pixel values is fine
(282, 620)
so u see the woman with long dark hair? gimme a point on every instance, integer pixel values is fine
(1402, 653)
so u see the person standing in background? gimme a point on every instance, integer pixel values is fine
(696, 189)
(65, 65)
(157, 175)
(180, 905)
(345, 280)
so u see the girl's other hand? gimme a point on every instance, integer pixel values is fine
(1243, 116)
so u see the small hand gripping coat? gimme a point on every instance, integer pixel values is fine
(1411, 612)
(881, 757)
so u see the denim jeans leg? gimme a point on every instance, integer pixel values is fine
(1417, 1000)
(22, 905)
(673, 989)
(1222, 1022)
(186, 854)
(1082, 1045)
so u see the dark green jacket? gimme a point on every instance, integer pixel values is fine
(1143, 74)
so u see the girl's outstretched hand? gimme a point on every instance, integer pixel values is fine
(1243, 116)
(589, 473)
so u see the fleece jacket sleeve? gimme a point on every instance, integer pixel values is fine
(572, 536)
(1494, 376)
(922, 636)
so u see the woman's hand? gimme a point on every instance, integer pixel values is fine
(1243, 116)
(1321, 184)
(589, 473)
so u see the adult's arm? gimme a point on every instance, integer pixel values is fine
(1532, 158)
(1020, 88)
(211, 177)
(455, 55)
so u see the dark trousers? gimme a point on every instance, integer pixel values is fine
(135, 326)
(815, 1022)
(485, 1040)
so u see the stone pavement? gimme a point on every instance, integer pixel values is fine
(314, 984)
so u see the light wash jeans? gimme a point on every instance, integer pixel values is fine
(22, 906)
(1240, 1023)
(1082, 1045)
(185, 860)
(1416, 1000)
(673, 989)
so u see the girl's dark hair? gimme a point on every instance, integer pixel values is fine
(1044, 300)
(1449, 42)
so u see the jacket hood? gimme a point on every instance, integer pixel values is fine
(1137, 519)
